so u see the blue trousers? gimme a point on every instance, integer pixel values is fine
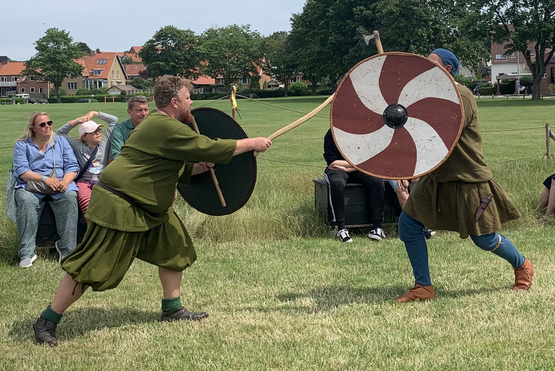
(410, 232)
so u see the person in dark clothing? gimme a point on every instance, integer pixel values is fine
(338, 173)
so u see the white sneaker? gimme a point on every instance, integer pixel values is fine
(376, 234)
(343, 236)
(428, 233)
(27, 262)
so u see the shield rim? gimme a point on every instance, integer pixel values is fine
(461, 125)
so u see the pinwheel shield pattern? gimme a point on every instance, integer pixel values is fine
(397, 116)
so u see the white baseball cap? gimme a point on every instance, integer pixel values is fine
(88, 127)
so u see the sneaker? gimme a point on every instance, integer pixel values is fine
(428, 233)
(344, 236)
(376, 234)
(27, 262)
(45, 332)
(182, 313)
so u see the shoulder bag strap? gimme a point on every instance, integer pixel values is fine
(89, 161)
(53, 172)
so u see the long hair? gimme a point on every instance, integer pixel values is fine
(29, 133)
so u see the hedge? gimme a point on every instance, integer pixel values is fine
(9, 100)
(488, 90)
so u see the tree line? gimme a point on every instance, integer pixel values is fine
(326, 41)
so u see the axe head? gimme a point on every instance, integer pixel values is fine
(367, 38)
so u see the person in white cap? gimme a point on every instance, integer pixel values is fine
(91, 143)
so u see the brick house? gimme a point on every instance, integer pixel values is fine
(10, 73)
(13, 82)
(512, 66)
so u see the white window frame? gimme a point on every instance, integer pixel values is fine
(72, 85)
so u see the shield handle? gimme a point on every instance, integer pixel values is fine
(212, 173)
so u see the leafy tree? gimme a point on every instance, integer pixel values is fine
(518, 23)
(83, 91)
(278, 60)
(140, 83)
(55, 59)
(230, 52)
(172, 51)
(327, 37)
(126, 60)
(84, 47)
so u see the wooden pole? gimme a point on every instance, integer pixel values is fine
(212, 173)
(548, 136)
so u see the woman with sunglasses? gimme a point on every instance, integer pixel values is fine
(36, 154)
(91, 143)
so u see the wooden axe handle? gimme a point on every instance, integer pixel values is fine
(378, 42)
(305, 118)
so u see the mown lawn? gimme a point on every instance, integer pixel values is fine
(282, 293)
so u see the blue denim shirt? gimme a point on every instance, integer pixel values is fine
(28, 157)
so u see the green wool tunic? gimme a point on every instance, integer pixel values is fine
(159, 154)
(449, 196)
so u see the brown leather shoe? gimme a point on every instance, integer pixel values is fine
(523, 276)
(417, 292)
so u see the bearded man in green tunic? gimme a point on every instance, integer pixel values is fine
(448, 198)
(130, 214)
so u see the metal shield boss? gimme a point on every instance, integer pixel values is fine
(397, 116)
(236, 178)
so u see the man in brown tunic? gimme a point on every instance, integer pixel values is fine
(130, 213)
(448, 198)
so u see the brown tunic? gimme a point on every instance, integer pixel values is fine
(448, 197)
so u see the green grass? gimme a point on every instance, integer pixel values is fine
(282, 293)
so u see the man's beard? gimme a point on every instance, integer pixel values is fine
(186, 117)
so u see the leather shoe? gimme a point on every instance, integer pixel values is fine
(417, 292)
(182, 313)
(523, 276)
(45, 331)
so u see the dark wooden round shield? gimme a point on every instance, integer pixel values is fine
(397, 116)
(236, 179)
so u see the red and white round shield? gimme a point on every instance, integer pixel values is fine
(397, 116)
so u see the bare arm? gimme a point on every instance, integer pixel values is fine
(341, 165)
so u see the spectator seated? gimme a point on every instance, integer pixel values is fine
(356, 212)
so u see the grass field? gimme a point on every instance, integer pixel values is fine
(282, 293)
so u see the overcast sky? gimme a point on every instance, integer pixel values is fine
(116, 25)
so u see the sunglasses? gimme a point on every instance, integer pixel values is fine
(99, 130)
(43, 124)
